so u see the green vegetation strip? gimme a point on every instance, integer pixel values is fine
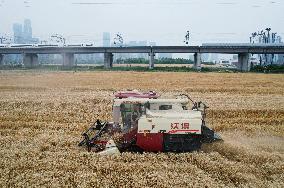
(126, 68)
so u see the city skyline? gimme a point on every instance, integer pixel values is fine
(23, 35)
(164, 22)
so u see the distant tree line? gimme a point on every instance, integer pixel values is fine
(268, 68)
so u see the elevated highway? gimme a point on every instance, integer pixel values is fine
(30, 53)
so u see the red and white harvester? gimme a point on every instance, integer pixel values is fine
(144, 122)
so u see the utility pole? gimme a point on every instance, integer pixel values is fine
(261, 36)
(118, 40)
(4, 39)
(274, 37)
(268, 34)
(186, 41)
(253, 35)
(58, 38)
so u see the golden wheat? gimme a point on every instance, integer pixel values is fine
(42, 116)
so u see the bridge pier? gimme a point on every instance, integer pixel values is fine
(68, 59)
(30, 60)
(197, 61)
(1, 59)
(108, 60)
(243, 62)
(151, 60)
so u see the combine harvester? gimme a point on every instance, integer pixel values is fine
(144, 122)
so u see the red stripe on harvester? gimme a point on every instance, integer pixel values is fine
(175, 131)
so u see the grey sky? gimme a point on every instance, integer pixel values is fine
(163, 21)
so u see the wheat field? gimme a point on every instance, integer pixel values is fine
(42, 116)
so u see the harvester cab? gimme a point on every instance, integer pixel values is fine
(144, 122)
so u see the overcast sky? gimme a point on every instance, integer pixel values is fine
(163, 21)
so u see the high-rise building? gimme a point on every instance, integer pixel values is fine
(24, 35)
(106, 39)
(18, 33)
(27, 32)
